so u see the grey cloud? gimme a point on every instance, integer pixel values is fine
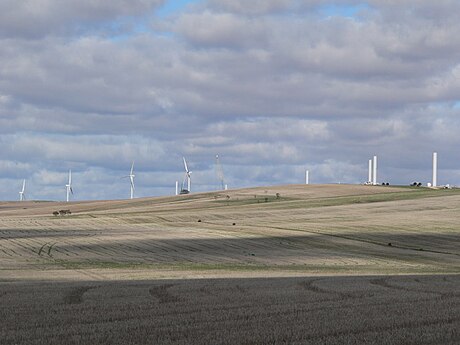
(273, 87)
(91, 75)
(250, 7)
(64, 152)
(14, 168)
(312, 54)
(38, 18)
(273, 129)
(415, 9)
(393, 10)
(221, 30)
(95, 75)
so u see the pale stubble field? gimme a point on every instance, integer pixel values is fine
(324, 264)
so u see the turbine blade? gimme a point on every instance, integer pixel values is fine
(185, 165)
(71, 190)
(132, 168)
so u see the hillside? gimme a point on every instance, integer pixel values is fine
(271, 231)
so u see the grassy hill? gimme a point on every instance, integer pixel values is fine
(271, 231)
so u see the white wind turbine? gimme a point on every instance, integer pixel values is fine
(186, 178)
(220, 173)
(69, 186)
(22, 195)
(131, 179)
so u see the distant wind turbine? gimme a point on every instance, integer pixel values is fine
(22, 195)
(220, 173)
(131, 179)
(68, 186)
(186, 179)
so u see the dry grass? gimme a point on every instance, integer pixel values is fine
(319, 229)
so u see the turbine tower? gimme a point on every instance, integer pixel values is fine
(374, 173)
(131, 180)
(307, 177)
(435, 169)
(69, 186)
(186, 179)
(369, 179)
(22, 195)
(220, 173)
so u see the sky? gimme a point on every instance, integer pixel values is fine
(274, 87)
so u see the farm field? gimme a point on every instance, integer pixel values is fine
(317, 264)
(317, 229)
(302, 310)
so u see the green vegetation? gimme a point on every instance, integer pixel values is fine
(373, 198)
(409, 193)
(250, 267)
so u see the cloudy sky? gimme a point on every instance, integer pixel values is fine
(272, 86)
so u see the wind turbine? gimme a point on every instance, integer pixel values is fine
(69, 186)
(220, 173)
(22, 195)
(186, 178)
(131, 179)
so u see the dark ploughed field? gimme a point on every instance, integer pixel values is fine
(296, 310)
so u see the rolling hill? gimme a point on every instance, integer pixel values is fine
(266, 231)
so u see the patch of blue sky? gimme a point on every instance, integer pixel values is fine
(336, 10)
(174, 6)
(444, 105)
(125, 28)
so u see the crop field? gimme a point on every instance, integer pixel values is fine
(323, 229)
(317, 264)
(320, 310)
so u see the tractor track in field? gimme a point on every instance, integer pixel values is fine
(162, 294)
(385, 283)
(75, 295)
